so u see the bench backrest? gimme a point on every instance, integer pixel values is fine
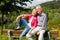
(54, 33)
(13, 33)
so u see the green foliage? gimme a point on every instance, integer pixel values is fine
(52, 9)
(53, 14)
(9, 6)
(10, 19)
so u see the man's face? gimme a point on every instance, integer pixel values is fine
(39, 10)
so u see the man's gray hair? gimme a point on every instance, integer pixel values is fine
(39, 6)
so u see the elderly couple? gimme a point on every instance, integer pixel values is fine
(36, 23)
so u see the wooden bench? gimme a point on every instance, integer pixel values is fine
(12, 33)
(54, 34)
(16, 33)
(5, 32)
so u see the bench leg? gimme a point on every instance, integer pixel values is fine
(9, 36)
(16, 38)
(49, 35)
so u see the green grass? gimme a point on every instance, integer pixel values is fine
(3, 37)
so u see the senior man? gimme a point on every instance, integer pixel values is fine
(41, 26)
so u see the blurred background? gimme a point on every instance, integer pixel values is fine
(10, 9)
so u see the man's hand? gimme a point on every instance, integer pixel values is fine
(38, 33)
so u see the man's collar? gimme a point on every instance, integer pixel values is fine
(40, 15)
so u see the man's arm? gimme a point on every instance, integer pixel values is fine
(43, 24)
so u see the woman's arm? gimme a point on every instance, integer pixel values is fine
(34, 25)
(19, 17)
(23, 16)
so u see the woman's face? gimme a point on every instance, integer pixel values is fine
(34, 12)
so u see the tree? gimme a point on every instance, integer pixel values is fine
(10, 6)
(56, 0)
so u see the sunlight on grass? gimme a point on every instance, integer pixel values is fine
(24, 38)
(3, 37)
(0, 32)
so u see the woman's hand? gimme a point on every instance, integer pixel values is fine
(38, 33)
(29, 32)
(17, 18)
